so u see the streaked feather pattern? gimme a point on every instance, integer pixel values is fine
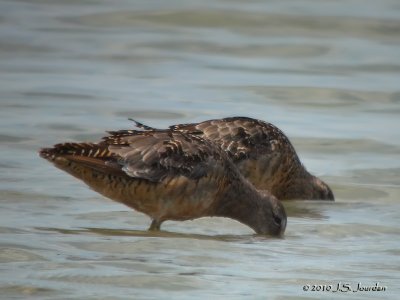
(169, 175)
(263, 154)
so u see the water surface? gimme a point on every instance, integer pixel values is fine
(326, 72)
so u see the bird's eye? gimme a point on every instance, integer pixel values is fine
(277, 220)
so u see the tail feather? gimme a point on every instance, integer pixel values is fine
(141, 125)
(76, 149)
(90, 155)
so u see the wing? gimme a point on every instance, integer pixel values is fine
(241, 137)
(151, 155)
(154, 155)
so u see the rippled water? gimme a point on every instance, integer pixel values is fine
(325, 72)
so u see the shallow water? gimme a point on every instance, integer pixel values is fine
(325, 72)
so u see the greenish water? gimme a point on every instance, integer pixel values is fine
(326, 72)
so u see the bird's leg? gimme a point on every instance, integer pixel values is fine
(155, 225)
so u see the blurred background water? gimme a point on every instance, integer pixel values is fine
(326, 72)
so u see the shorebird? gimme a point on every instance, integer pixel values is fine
(262, 153)
(169, 175)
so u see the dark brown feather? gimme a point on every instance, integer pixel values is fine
(243, 137)
(150, 155)
(169, 175)
(264, 155)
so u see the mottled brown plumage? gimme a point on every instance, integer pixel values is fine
(262, 153)
(169, 175)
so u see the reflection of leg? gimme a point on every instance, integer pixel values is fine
(155, 225)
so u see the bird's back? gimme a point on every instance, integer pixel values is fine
(262, 153)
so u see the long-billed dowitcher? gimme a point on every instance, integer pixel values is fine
(263, 154)
(169, 175)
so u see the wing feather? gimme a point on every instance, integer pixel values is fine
(240, 137)
(153, 155)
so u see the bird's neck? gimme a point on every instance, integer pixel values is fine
(242, 202)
